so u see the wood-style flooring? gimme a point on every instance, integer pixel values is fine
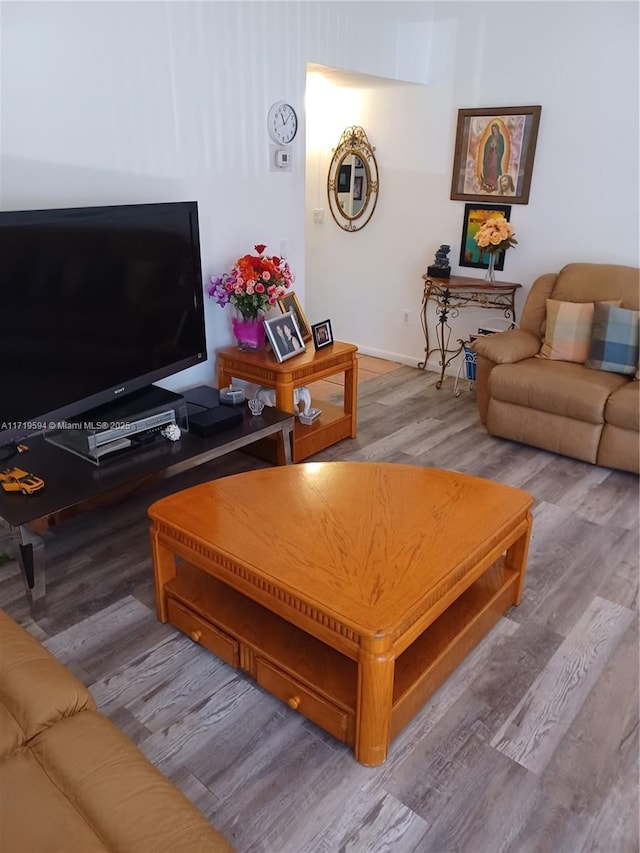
(531, 745)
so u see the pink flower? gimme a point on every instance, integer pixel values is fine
(255, 282)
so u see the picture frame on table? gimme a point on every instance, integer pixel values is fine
(471, 255)
(322, 334)
(284, 336)
(494, 153)
(289, 302)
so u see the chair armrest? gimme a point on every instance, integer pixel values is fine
(507, 347)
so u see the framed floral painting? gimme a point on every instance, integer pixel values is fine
(471, 255)
(493, 159)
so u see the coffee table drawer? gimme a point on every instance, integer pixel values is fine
(318, 710)
(203, 633)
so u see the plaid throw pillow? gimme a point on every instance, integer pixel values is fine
(568, 331)
(614, 342)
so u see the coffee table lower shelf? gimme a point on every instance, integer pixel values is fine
(311, 676)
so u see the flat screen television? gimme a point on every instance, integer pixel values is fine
(95, 303)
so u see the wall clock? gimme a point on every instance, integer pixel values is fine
(282, 122)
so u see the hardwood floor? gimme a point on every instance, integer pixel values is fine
(531, 745)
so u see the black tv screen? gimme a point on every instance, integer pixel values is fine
(95, 303)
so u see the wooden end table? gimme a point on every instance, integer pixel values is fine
(360, 601)
(261, 368)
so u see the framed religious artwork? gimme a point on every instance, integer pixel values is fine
(493, 158)
(471, 255)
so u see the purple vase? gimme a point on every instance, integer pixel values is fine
(249, 333)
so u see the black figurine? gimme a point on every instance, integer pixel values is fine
(440, 268)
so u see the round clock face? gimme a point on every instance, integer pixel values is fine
(282, 123)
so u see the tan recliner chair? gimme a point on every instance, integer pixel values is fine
(561, 406)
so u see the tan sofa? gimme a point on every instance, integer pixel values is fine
(560, 406)
(70, 781)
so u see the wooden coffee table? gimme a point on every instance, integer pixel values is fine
(350, 590)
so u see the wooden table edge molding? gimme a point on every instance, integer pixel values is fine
(261, 368)
(329, 661)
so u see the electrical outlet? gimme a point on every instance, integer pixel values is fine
(318, 215)
(406, 313)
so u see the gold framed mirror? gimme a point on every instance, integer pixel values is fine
(352, 183)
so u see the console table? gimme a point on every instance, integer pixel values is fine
(261, 368)
(449, 296)
(73, 484)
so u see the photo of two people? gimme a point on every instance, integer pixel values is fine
(284, 336)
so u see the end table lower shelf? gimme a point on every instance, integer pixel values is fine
(261, 368)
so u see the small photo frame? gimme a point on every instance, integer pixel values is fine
(357, 188)
(322, 334)
(289, 302)
(475, 215)
(284, 336)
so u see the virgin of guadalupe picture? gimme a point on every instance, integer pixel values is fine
(494, 153)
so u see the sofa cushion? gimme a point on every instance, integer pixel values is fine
(36, 815)
(623, 407)
(568, 331)
(598, 283)
(614, 340)
(91, 789)
(11, 733)
(35, 689)
(559, 387)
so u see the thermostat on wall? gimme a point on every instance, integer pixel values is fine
(280, 159)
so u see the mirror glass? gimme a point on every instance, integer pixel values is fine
(352, 184)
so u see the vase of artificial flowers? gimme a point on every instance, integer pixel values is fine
(254, 284)
(494, 235)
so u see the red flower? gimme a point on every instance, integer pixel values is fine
(260, 248)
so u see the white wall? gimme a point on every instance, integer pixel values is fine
(580, 62)
(150, 101)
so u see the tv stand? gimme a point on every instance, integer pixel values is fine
(72, 486)
(121, 424)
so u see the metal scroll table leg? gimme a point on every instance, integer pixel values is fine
(32, 562)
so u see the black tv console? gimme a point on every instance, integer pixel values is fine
(71, 483)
